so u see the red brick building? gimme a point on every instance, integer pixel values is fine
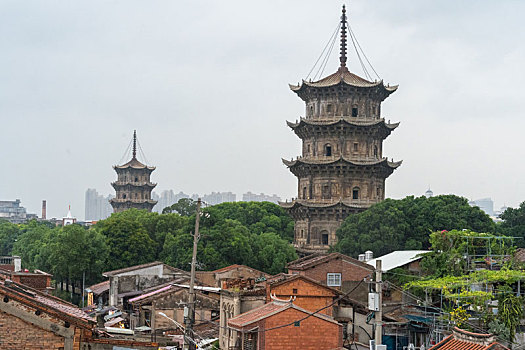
(283, 325)
(306, 293)
(334, 270)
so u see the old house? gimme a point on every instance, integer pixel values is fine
(283, 325)
(335, 270)
(30, 319)
(98, 293)
(132, 281)
(230, 273)
(157, 308)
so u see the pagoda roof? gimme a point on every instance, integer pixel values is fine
(135, 164)
(333, 160)
(349, 203)
(342, 120)
(343, 76)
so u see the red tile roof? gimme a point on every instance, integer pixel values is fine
(236, 266)
(316, 259)
(464, 340)
(268, 310)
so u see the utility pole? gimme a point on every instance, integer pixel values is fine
(189, 320)
(379, 313)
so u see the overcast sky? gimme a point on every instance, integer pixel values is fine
(205, 83)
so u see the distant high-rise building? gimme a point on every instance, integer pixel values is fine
(485, 204)
(133, 186)
(97, 206)
(219, 197)
(12, 211)
(166, 199)
(261, 197)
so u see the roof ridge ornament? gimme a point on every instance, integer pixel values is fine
(342, 58)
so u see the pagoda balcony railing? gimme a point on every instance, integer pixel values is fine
(333, 200)
(361, 159)
(332, 118)
(134, 200)
(136, 183)
(311, 246)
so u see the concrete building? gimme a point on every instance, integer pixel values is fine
(485, 204)
(133, 186)
(97, 206)
(166, 199)
(342, 169)
(252, 197)
(12, 211)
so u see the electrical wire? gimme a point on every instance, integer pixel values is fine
(327, 58)
(126, 152)
(367, 60)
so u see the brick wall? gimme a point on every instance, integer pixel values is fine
(16, 334)
(308, 295)
(312, 333)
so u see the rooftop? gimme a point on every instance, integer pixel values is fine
(464, 340)
(397, 259)
(316, 259)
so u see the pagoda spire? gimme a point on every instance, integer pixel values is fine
(134, 144)
(342, 58)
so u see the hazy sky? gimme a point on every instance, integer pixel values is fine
(205, 85)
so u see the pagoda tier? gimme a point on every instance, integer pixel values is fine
(342, 127)
(130, 186)
(341, 84)
(341, 166)
(124, 204)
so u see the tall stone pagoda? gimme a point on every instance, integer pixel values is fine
(342, 170)
(133, 185)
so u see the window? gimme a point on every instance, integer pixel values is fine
(333, 279)
(329, 108)
(354, 111)
(326, 192)
(378, 190)
(356, 146)
(311, 110)
(302, 233)
(328, 150)
(136, 179)
(355, 193)
(375, 151)
(324, 238)
(308, 149)
(294, 291)
(124, 196)
(304, 192)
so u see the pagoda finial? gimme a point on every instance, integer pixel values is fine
(134, 144)
(342, 58)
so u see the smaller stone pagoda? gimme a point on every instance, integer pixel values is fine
(133, 185)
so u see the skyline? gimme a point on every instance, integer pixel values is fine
(207, 91)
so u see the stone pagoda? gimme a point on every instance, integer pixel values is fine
(342, 170)
(133, 185)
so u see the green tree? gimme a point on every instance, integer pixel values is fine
(407, 223)
(75, 251)
(184, 206)
(8, 235)
(128, 241)
(514, 223)
(32, 245)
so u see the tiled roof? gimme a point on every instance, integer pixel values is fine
(99, 288)
(353, 122)
(268, 310)
(258, 314)
(316, 259)
(134, 163)
(53, 305)
(343, 75)
(333, 160)
(464, 340)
